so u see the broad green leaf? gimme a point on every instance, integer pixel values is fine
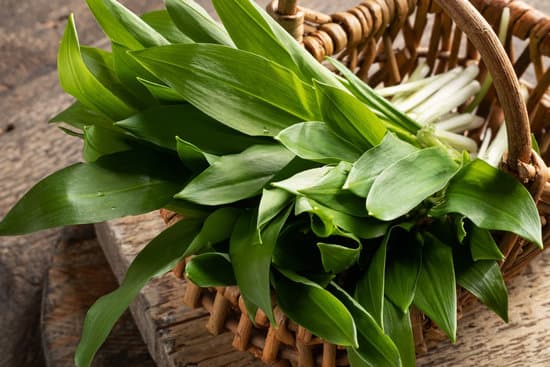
(161, 21)
(303, 180)
(114, 186)
(316, 142)
(375, 348)
(196, 23)
(355, 359)
(402, 269)
(217, 227)
(374, 161)
(367, 95)
(406, 183)
(161, 124)
(99, 142)
(252, 260)
(317, 310)
(436, 289)
(79, 82)
(78, 116)
(492, 200)
(211, 269)
(483, 246)
(101, 64)
(337, 258)
(128, 71)
(191, 156)
(369, 291)
(160, 255)
(234, 87)
(235, 177)
(349, 118)
(252, 29)
(124, 27)
(161, 92)
(484, 280)
(328, 191)
(398, 326)
(362, 227)
(273, 202)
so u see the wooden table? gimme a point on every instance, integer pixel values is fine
(30, 149)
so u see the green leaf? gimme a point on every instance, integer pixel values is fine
(191, 156)
(252, 29)
(235, 177)
(212, 269)
(367, 95)
(369, 291)
(79, 82)
(375, 348)
(484, 280)
(99, 142)
(196, 23)
(483, 246)
(161, 124)
(161, 92)
(317, 310)
(398, 326)
(402, 269)
(492, 200)
(78, 116)
(273, 202)
(160, 255)
(161, 21)
(217, 227)
(127, 183)
(303, 180)
(128, 71)
(374, 161)
(102, 65)
(436, 289)
(349, 118)
(315, 141)
(252, 259)
(337, 258)
(405, 184)
(328, 191)
(124, 27)
(234, 87)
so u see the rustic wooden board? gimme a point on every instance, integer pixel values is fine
(78, 275)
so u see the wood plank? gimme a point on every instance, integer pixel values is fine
(78, 275)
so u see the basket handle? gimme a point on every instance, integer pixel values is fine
(480, 33)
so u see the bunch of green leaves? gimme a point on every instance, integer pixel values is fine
(290, 178)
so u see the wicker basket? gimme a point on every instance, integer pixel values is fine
(382, 41)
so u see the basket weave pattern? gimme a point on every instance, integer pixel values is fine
(382, 41)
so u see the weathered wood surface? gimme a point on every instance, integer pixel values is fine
(78, 275)
(30, 149)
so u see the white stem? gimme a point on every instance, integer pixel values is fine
(449, 90)
(409, 86)
(448, 104)
(420, 96)
(420, 72)
(460, 123)
(459, 142)
(496, 149)
(482, 153)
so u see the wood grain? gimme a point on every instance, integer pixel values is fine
(78, 275)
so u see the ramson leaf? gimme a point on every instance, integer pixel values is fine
(235, 177)
(159, 256)
(483, 246)
(161, 21)
(77, 80)
(127, 183)
(492, 200)
(234, 87)
(211, 269)
(196, 23)
(398, 326)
